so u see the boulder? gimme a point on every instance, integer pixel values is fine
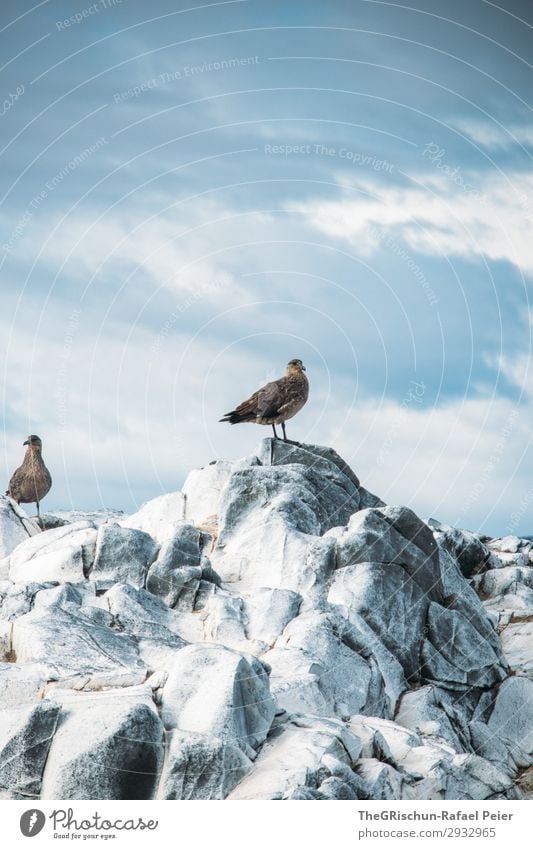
(15, 526)
(298, 761)
(200, 766)
(158, 517)
(202, 490)
(26, 733)
(20, 684)
(392, 535)
(454, 652)
(517, 643)
(213, 690)
(122, 555)
(391, 602)
(62, 554)
(107, 746)
(511, 719)
(70, 646)
(178, 562)
(268, 611)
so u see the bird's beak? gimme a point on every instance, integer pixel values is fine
(304, 368)
(27, 442)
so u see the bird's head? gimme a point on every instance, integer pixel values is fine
(295, 367)
(33, 442)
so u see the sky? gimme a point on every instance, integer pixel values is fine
(193, 194)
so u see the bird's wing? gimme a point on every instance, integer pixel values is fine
(270, 399)
(16, 480)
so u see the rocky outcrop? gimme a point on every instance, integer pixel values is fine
(274, 631)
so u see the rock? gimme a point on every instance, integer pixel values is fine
(316, 648)
(430, 712)
(300, 639)
(517, 640)
(268, 611)
(392, 535)
(19, 599)
(63, 554)
(107, 746)
(122, 555)
(213, 690)
(179, 561)
(297, 761)
(269, 520)
(72, 647)
(391, 602)
(15, 526)
(200, 766)
(25, 736)
(159, 517)
(202, 489)
(141, 614)
(20, 684)
(472, 555)
(454, 652)
(511, 719)
(383, 781)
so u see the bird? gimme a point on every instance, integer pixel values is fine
(275, 402)
(31, 481)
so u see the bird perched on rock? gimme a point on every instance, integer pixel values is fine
(31, 481)
(275, 402)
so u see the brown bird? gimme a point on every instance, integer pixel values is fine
(275, 402)
(31, 481)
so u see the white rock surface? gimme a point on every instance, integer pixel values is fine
(158, 517)
(15, 526)
(216, 691)
(108, 745)
(279, 632)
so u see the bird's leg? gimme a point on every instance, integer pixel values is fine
(275, 434)
(290, 441)
(39, 516)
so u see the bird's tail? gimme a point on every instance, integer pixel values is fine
(234, 417)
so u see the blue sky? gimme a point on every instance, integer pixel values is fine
(193, 194)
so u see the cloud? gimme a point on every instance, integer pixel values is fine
(495, 136)
(444, 220)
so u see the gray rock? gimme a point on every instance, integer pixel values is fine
(200, 766)
(202, 490)
(159, 517)
(15, 526)
(70, 646)
(179, 561)
(512, 715)
(20, 684)
(315, 646)
(62, 554)
(141, 614)
(517, 643)
(299, 758)
(393, 535)
(455, 653)
(467, 548)
(213, 690)
(25, 736)
(391, 602)
(122, 555)
(268, 610)
(430, 712)
(107, 746)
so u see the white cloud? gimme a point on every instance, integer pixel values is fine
(493, 135)
(442, 220)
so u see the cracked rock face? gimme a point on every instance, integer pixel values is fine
(273, 632)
